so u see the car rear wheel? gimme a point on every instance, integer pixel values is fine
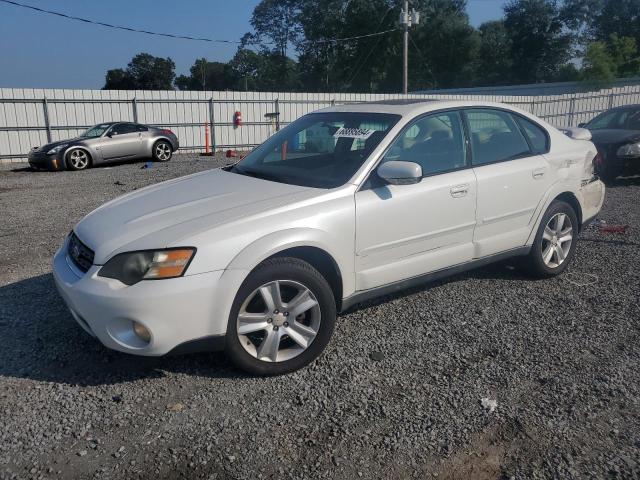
(282, 318)
(77, 159)
(555, 242)
(162, 151)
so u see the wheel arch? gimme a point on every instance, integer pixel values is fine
(571, 199)
(306, 244)
(165, 139)
(322, 261)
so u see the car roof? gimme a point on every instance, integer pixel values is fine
(626, 107)
(412, 106)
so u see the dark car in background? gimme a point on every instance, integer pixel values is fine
(616, 134)
(104, 143)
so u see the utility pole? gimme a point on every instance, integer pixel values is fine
(407, 19)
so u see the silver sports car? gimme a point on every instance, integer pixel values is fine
(107, 142)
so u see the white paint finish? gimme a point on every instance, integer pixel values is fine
(375, 237)
(420, 222)
(508, 195)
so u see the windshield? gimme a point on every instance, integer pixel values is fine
(96, 131)
(321, 150)
(628, 119)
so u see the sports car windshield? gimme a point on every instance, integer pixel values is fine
(321, 150)
(96, 131)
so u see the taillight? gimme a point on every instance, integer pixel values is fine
(166, 131)
(597, 163)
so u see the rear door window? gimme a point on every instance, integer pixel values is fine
(536, 135)
(495, 136)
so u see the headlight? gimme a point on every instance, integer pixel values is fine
(132, 267)
(57, 148)
(629, 150)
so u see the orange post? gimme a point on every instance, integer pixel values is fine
(206, 138)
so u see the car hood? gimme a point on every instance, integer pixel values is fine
(609, 137)
(49, 146)
(163, 214)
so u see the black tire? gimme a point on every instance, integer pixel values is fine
(534, 263)
(165, 155)
(282, 269)
(74, 165)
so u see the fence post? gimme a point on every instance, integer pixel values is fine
(47, 125)
(610, 101)
(134, 109)
(277, 107)
(533, 107)
(572, 110)
(211, 126)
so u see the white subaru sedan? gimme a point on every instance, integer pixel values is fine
(344, 204)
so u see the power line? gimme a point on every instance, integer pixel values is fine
(119, 27)
(171, 35)
(331, 40)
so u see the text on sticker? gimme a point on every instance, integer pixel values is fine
(362, 133)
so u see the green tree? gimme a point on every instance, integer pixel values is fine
(624, 52)
(598, 67)
(119, 79)
(445, 46)
(540, 45)
(144, 72)
(205, 75)
(494, 54)
(275, 23)
(619, 17)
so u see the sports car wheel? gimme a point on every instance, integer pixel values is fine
(162, 151)
(77, 159)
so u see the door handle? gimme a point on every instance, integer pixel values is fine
(539, 173)
(459, 190)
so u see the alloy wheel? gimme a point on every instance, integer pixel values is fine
(278, 321)
(163, 151)
(556, 240)
(79, 159)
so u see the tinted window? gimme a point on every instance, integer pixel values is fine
(495, 136)
(613, 119)
(318, 150)
(536, 135)
(141, 128)
(633, 120)
(435, 142)
(122, 128)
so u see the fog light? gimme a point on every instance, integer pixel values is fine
(142, 332)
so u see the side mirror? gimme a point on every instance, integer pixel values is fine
(398, 172)
(110, 134)
(581, 125)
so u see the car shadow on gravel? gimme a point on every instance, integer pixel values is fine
(41, 341)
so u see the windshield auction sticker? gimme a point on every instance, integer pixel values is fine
(361, 133)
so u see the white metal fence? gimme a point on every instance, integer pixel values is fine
(30, 117)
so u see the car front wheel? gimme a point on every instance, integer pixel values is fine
(282, 318)
(77, 159)
(555, 242)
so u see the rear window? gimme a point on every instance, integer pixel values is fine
(536, 135)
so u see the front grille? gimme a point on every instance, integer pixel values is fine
(79, 253)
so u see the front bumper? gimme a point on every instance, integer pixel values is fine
(176, 311)
(43, 160)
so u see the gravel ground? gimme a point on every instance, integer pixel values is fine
(397, 394)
